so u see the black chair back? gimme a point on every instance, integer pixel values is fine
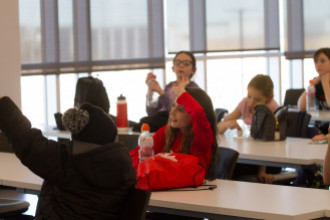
(226, 162)
(292, 96)
(297, 124)
(220, 113)
(136, 204)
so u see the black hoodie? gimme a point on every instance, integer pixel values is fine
(81, 180)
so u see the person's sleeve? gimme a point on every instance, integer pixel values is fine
(164, 102)
(159, 140)
(135, 157)
(241, 105)
(40, 155)
(203, 134)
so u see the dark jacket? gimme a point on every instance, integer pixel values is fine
(81, 180)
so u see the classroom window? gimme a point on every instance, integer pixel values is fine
(121, 41)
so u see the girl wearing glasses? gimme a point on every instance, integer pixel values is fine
(184, 64)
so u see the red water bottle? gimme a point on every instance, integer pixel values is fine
(122, 121)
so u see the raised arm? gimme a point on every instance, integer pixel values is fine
(229, 122)
(40, 155)
(200, 125)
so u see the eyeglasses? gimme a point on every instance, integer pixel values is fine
(185, 62)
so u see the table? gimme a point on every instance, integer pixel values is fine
(292, 152)
(129, 138)
(321, 115)
(15, 174)
(245, 200)
(231, 199)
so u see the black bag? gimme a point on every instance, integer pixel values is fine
(268, 126)
(155, 122)
(91, 90)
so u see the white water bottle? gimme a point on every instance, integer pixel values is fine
(152, 97)
(310, 97)
(146, 142)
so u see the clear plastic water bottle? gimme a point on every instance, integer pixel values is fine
(146, 142)
(310, 97)
(152, 97)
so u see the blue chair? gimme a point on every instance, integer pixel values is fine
(226, 162)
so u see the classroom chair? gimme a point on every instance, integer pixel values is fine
(136, 204)
(226, 162)
(292, 96)
(220, 113)
(297, 125)
(11, 207)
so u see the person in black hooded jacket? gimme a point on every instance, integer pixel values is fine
(86, 178)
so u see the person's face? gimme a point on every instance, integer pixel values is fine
(182, 65)
(322, 64)
(255, 96)
(179, 118)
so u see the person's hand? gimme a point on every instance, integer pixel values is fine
(184, 77)
(319, 137)
(154, 86)
(179, 87)
(150, 77)
(232, 124)
(266, 178)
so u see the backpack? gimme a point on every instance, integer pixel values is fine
(269, 126)
(91, 90)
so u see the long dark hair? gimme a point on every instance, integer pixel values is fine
(325, 51)
(187, 139)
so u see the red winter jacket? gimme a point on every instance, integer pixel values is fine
(203, 134)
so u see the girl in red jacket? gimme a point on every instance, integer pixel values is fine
(191, 128)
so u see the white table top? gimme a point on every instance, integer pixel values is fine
(318, 115)
(249, 200)
(66, 134)
(294, 151)
(242, 199)
(321, 115)
(13, 173)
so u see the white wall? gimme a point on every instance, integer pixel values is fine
(10, 64)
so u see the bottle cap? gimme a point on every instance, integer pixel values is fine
(311, 81)
(145, 127)
(121, 97)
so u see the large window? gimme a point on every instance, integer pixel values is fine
(121, 41)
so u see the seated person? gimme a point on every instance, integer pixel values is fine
(86, 178)
(322, 86)
(260, 91)
(184, 64)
